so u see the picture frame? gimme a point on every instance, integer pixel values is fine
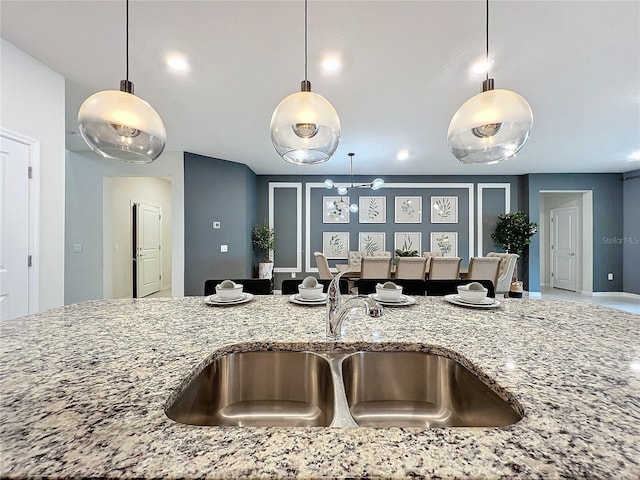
(445, 242)
(371, 242)
(372, 210)
(335, 210)
(408, 241)
(408, 210)
(335, 245)
(444, 209)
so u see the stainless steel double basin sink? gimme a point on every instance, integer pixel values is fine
(340, 389)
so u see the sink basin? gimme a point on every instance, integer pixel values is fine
(418, 389)
(254, 389)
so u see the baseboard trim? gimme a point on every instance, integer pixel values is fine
(616, 294)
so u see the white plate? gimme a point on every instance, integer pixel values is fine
(216, 300)
(300, 301)
(456, 300)
(404, 301)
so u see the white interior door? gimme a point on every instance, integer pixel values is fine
(564, 247)
(148, 234)
(14, 229)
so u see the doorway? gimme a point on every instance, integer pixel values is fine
(147, 249)
(564, 248)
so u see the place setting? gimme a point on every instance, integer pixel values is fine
(389, 294)
(228, 293)
(309, 293)
(473, 295)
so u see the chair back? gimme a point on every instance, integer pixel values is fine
(429, 256)
(409, 287)
(444, 268)
(290, 286)
(354, 259)
(323, 266)
(441, 288)
(484, 268)
(505, 270)
(381, 254)
(255, 286)
(411, 267)
(375, 267)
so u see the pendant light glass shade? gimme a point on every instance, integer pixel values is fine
(119, 125)
(305, 128)
(490, 127)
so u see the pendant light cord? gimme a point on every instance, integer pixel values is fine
(487, 36)
(127, 39)
(305, 39)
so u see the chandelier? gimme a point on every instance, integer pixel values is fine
(342, 190)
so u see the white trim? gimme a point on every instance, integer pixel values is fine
(310, 185)
(34, 214)
(298, 188)
(507, 206)
(614, 294)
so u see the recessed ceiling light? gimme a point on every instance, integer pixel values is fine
(177, 63)
(634, 155)
(331, 64)
(403, 155)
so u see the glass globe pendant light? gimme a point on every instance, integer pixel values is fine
(121, 126)
(305, 128)
(491, 126)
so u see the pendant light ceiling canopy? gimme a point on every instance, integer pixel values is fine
(121, 126)
(491, 126)
(305, 128)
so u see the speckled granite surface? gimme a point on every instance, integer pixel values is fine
(83, 390)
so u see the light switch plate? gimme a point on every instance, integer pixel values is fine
(216, 225)
(224, 248)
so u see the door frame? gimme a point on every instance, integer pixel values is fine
(585, 221)
(578, 250)
(33, 146)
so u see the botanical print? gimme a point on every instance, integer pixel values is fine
(408, 244)
(445, 242)
(335, 244)
(373, 210)
(335, 209)
(408, 209)
(371, 243)
(444, 209)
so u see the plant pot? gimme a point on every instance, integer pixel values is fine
(516, 289)
(265, 270)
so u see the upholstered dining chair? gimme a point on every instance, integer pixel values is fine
(381, 254)
(444, 268)
(323, 266)
(255, 286)
(483, 268)
(411, 267)
(354, 258)
(375, 267)
(429, 256)
(505, 270)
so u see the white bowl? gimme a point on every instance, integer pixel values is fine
(310, 293)
(389, 292)
(472, 293)
(229, 290)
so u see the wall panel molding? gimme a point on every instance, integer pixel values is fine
(298, 188)
(507, 206)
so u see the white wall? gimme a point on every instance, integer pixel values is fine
(126, 191)
(90, 200)
(32, 103)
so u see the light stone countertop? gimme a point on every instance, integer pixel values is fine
(83, 390)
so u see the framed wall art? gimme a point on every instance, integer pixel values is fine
(408, 210)
(335, 209)
(445, 242)
(373, 210)
(371, 242)
(409, 243)
(335, 244)
(444, 209)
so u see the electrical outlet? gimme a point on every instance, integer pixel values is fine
(610, 276)
(216, 225)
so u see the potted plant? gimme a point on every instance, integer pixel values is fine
(264, 240)
(407, 249)
(513, 233)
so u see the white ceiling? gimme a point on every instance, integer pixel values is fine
(406, 69)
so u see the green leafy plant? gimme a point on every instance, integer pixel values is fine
(513, 232)
(264, 239)
(407, 249)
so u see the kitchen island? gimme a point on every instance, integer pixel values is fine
(84, 387)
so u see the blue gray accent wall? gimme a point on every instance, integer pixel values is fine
(607, 223)
(631, 232)
(225, 192)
